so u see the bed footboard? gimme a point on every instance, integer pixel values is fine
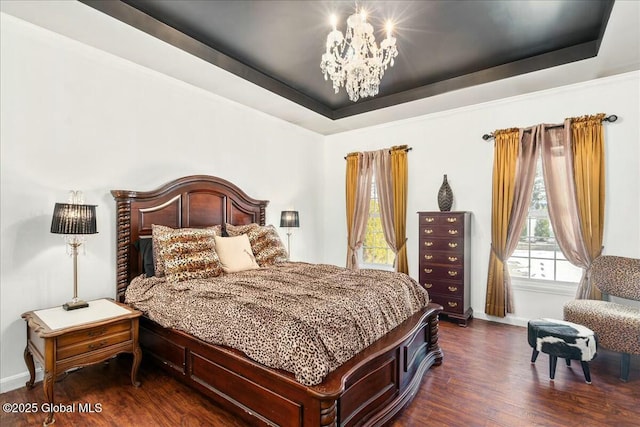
(367, 390)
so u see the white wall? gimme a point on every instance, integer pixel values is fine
(74, 117)
(450, 143)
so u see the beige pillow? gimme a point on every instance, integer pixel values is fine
(265, 243)
(235, 253)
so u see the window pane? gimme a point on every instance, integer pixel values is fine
(537, 255)
(568, 272)
(375, 249)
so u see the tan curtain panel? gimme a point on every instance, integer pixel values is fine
(587, 136)
(515, 157)
(384, 184)
(557, 166)
(400, 179)
(358, 195)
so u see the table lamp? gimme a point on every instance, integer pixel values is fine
(74, 220)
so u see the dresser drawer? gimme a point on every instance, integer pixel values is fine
(449, 218)
(449, 303)
(443, 287)
(435, 272)
(452, 245)
(442, 258)
(453, 230)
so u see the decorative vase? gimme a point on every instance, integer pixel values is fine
(445, 196)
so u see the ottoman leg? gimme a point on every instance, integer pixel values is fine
(534, 355)
(568, 362)
(585, 369)
(553, 361)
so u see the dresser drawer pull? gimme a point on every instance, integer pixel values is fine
(428, 231)
(452, 219)
(452, 304)
(453, 258)
(428, 285)
(428, 270)
(453, 231)
(96, 333)
(428, 257)
(453, 288)
(453, 245)
(452, 273)
(429, 219)
(428, 243)
(94, 346)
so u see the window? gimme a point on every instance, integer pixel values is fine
(375, 250)
(537, 255)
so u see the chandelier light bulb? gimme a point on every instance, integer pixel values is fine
(354, 60)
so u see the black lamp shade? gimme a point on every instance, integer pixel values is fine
(289, 219)
(74, 219)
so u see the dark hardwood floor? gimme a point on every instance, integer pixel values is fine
(486, 380)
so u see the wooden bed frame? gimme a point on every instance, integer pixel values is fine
(367, 390)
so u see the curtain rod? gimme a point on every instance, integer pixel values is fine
(612, 118)
(406, 149)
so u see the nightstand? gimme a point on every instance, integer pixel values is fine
(60, 340)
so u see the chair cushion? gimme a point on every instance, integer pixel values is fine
(617, 326)
(619, 276)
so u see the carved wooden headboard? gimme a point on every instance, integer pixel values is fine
(192, 201)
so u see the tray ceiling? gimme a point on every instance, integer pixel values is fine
(443, 45)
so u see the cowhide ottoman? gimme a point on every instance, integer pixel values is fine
(566, 340)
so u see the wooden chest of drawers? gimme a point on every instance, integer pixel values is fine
(444, 248)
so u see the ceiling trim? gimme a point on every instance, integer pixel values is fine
(143, 22)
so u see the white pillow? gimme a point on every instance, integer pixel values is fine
(235, 253)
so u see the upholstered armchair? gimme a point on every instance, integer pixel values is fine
(617, 326)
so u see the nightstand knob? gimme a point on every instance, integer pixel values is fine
(428, 231)
(453, 245)
(94, 346)
(452, 273)
(429, 219)
(96, 332)
(453, 258)
(452, 219)
(452, 304)
(428, 256)
(453, 288)
(428, 243)
(428, 270)
(428, 285)
(453, 231)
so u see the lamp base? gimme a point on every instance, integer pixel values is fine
(74, 305)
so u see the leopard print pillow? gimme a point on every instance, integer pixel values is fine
(186, 253)
(265, 242)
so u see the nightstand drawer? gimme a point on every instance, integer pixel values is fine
(93, 333)
(94, 344)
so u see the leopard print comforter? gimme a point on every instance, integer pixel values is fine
(307, 319)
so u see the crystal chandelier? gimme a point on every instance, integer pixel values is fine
(354, 60)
